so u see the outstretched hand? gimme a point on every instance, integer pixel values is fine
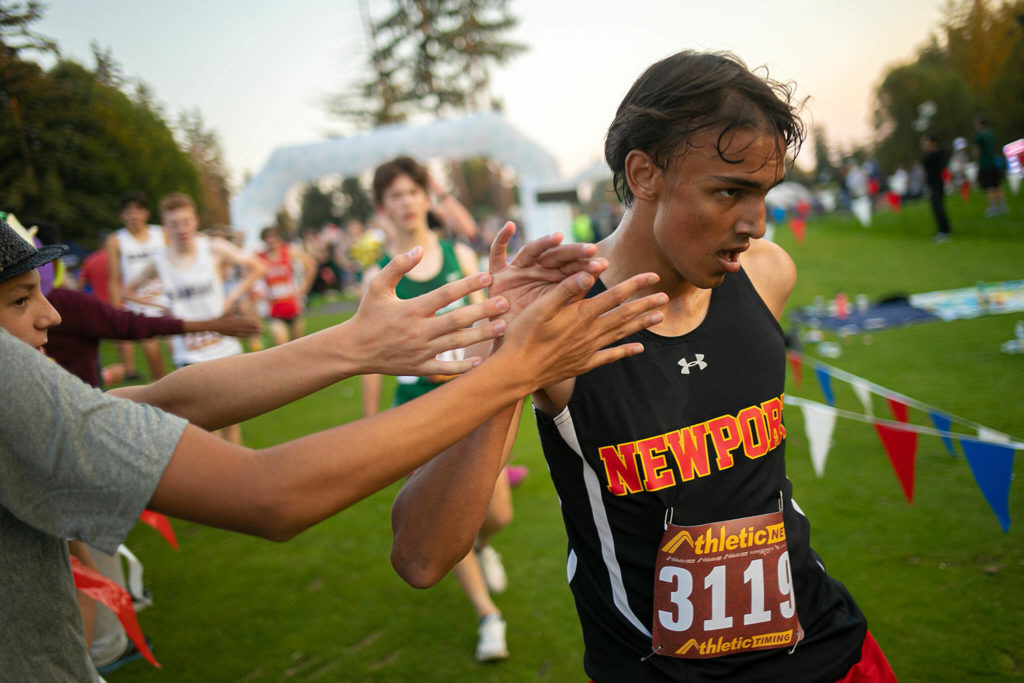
(402, 336)
(537, 268)
(562, 335)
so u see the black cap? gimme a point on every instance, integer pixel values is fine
(17, 256)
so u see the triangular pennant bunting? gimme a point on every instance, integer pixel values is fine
(111, 594)
(992, 467)
(901, 446)
(819, 421)
(797, 365)
(798, 226)
(161, 524)
(863, 391)
(898, 408)
(943, 424)
(825, 380)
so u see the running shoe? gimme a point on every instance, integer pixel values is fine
(491, 643)
(493, 570)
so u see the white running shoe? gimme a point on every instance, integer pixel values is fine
(493, 570)
(491, 644)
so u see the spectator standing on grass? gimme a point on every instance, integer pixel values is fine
(934, 163)
(81, 464)
(401, 190)
(990, 166)
(687, 556)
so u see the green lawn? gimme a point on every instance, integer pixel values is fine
(941, 584)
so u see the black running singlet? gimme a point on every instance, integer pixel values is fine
(693, 424)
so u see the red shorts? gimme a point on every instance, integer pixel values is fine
(873, 667)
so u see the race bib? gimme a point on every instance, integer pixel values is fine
(723, 588)
(199, 340)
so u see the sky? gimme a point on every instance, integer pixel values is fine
(259, 71)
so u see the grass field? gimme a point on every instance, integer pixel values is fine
(941, 584)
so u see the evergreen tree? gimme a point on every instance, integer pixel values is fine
(430, 56)
(204, 148)
(71, 143)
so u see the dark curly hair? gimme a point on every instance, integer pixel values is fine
(689, 92)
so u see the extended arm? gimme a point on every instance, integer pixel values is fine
(386, 334)
(280, 491)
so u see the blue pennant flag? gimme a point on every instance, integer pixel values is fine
(778, 214)
(943, 423)
(992, 466)
(825, 380)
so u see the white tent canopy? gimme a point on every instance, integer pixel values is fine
(479, 135)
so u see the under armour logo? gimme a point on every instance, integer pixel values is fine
(685, 365)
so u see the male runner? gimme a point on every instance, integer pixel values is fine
(189, 272)
(688, 558)
(129, 250)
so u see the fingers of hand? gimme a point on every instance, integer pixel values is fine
(453, 291)
(400, 265)
(448, 367)
(610, 298)
(467, 315)
(466, 337)
(605, 356)
(533, 250)
(561, 254)
(499, 247)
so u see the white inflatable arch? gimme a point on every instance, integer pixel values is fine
(478, 135)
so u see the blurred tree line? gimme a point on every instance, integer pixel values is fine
(973, 64)
(73, 139)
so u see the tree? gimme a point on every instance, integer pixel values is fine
(316, 207)
(72, 145)
(824, 169)
(900, 96)
(354, 202)
(15, 35)
(976, 64)
(429, 56)
(203, 147)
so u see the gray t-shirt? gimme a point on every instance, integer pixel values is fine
(74, 464)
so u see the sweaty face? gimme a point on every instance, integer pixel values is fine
(405, 204)
(24, 311)
(181, 224)
(708, 209)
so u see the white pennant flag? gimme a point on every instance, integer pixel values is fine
(861, 207)
(860, 387)
(819, 421)
(991, 435)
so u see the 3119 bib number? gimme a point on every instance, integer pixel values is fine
(724, 587)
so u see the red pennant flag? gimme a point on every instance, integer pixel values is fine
(965, 190)
(798, 368)
(109, 593)
(161, 524)
(803, 208)
(901, 447)
(894, 201)
(798, 225)
(898, 408)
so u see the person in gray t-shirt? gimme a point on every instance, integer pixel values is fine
(79, 464)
